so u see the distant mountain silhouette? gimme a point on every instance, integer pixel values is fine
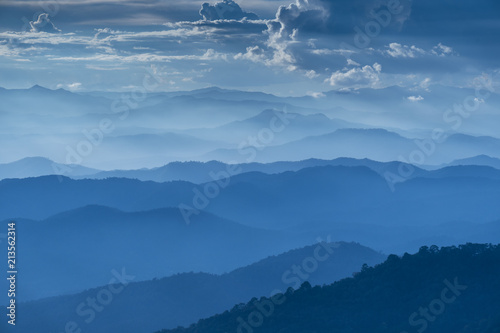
(195, 172)
(471, 171)
(375, 144)
(289, 127)
(354, 143)
(479, 160)
(43, 101)
(85, 244)
(39, 166)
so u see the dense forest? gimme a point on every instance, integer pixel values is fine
(445, 290)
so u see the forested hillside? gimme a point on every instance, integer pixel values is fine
(447, 290)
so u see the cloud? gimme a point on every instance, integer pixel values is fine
(285, 28)
(299, 15)
(358, 77)
(335, 17)
(297, 24)
(225, 10)
(209, 55)
(43, 24)
(71, 86)
(109, 68)
(441, 50)
(397, 50)
(312, 74)
(7, 51)
(253, 53)
(415, 98)
(351, 62)
(315, 94)
(425, 83)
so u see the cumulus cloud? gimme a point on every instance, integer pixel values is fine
(358, 77)
(284, 30)
(415, 98)
(290, 33)
(225, 10)
(339, 17)
(299, 15)
(43, 24)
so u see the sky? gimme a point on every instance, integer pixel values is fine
(282, 47)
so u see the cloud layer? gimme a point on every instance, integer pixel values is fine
(317, 44)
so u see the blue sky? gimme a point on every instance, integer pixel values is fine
(280, 47)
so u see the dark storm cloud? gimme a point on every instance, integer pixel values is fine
(225, 10)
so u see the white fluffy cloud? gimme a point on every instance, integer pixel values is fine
(415, 98)
(358, 77)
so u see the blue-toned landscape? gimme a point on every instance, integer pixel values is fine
(249, 166)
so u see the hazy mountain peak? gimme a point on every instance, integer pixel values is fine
(37, 87)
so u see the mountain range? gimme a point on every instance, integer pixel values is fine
(202, 172)
(332, 194)
(232, 126)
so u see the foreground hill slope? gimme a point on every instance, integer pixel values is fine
(447, 290)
